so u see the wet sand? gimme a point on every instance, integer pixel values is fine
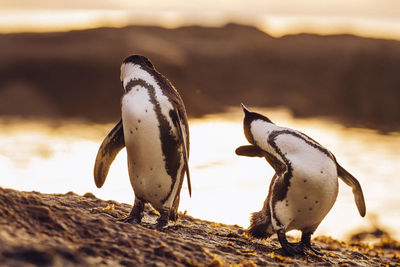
(71, 230)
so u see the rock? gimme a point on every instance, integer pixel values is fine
(62, 230)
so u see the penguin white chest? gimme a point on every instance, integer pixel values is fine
(307, 203)
(146, 160)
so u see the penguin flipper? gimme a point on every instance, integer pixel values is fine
(112, 144)
(255, 151)
(178, 122)
(250, 151)
(348, 179)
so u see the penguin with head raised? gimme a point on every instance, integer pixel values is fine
(155, 131)
(304, 187)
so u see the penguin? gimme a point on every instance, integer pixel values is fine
(155, 131)
(304, 186)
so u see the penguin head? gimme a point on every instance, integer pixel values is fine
(135, 62)
(139, 60)
(249, 117)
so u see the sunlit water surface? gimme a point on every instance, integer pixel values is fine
(57, 158)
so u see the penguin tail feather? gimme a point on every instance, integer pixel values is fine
(260, 225)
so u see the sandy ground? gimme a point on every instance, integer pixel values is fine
(71, 230)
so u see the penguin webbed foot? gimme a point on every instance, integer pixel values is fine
(136, 214)
(299, 248)
(306, 242)
(131, 219)
(313, 250)
(290, 248)
(162, 221)
(293, 249)
(173, 215)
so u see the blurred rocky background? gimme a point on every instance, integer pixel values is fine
(75, 74)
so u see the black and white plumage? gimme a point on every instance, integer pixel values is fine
(304, 187)
(155, 131)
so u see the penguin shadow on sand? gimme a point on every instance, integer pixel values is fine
(155, 131)
(304, 186)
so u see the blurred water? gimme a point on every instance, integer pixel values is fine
(57, 158)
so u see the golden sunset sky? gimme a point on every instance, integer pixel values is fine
(372, 18)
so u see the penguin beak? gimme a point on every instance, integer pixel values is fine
(245, 110)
